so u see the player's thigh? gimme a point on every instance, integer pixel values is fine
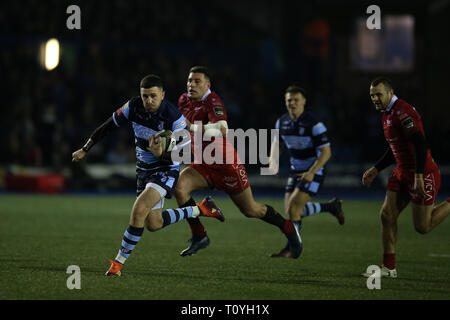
(298, 199)
(190, 180)
(246, 203)
(393, 205)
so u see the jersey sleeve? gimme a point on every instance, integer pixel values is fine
(408, 121)
(179, 124)
(320, 136)
(216, 109)
(122, 115)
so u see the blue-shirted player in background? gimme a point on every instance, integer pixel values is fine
(309, 148)
(156, 174)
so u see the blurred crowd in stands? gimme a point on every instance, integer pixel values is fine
(49, 114)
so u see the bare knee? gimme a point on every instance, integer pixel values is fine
(149, 226)
(253, 211)
(139, 214)
(388, 216)
(421, 229)
(154, 222)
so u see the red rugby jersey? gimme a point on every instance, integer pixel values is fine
(210, 109)
(399, 123)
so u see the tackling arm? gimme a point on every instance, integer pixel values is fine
(216, 129)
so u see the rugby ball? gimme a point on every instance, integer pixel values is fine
(167, 140)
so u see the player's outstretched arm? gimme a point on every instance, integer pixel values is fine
(96, 136)
(386, 160)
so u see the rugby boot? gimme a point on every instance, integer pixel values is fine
(195, 244)
(385, 272)
(115, 269)
(295, 243)
(336, 210)
(209, 209)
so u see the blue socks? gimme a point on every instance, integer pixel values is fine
(130, 238)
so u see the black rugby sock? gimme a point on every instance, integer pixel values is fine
(196, 226)
(276, 219)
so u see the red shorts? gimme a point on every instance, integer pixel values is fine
(231, 178)
(402, 179)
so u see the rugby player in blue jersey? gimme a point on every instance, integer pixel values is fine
(156, 173)
(309, 148)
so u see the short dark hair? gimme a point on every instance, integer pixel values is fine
(201, 69)
(385, 81)
(152, 80)
(296, 89)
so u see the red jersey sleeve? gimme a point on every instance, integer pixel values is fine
(216, 109)
(408, 120)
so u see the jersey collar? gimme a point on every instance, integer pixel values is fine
(206, 95)
(393, 99)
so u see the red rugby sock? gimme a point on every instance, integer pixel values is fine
(389, 260)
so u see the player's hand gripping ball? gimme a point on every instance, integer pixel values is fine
(167, 140)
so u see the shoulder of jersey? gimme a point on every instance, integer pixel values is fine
(171, 111)
(284, 117)
(405, 107)
(214, 99)
(310, 118)
(135, 103)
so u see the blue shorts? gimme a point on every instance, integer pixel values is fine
(311, 188)
(166, 179)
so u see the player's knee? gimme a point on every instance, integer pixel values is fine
(252, 211)
(387, 216)
(421, 229)
(152, 224)
(140, 211)
(149, 226)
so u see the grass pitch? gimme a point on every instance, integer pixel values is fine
(40, 236)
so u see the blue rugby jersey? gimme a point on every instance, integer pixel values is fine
(146, 124)
(303, 138)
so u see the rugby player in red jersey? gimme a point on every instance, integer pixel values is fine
(204, 110)
(415, 178)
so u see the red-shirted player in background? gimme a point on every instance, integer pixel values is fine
(415, 178)
(200, 104)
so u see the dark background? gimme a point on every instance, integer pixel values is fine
(254, 50)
